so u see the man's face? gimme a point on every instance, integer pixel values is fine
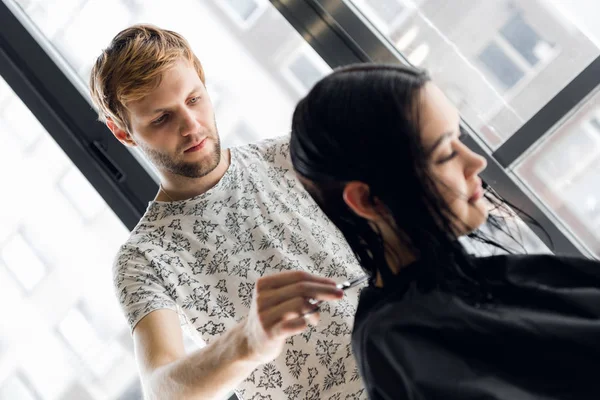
(174, 125)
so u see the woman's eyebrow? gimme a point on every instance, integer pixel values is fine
(444, 136)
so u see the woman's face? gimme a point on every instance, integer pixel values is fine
(454, 167)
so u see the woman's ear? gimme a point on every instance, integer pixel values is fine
(123, 136)
(357, 196)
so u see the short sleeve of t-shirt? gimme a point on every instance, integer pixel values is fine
(139, 287)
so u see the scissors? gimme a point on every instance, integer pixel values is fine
(343, 286)
(352, 282)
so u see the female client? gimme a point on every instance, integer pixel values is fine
(379, 148)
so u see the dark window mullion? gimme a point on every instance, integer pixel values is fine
(321, 31)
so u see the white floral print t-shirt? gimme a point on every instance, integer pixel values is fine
(201, 257)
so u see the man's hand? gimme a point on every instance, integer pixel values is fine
(279, 310)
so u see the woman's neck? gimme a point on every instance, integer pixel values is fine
(397, 253)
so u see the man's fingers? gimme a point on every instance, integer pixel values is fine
(290, 309)
(305, 290)
(313, 317)
(289, 277)
(295, 326)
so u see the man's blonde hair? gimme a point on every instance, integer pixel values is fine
(132, 66)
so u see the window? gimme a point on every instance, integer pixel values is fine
(57, 244)
(243, 133)
(418, 55)
(16, 124)
(23, 262)
(583, 197)
(568, 156)
(387, 15)
(133, 392)
(244, 8)
(563, 172)
(513, 54)
(500, 61)
(96, 355)
(244, 12)
(48, 375)
(404, 39)
(595, 124)
(525, 40)
(387, 10)
(503, 68)
(80, 193)
(78, 391)
(15, 387)
(305, 69)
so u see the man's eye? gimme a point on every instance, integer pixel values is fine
(160, 120)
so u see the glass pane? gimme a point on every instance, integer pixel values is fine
(243, 8)
(62, 329)
(257, 66)
(564, 173)
(501, 66)
(21, 260)
(81, 336)
(15, 388)
(524, 39)
(499, 61)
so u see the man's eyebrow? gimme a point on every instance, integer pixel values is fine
(163, 109)
(156, 111)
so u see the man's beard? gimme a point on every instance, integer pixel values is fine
(187, 169)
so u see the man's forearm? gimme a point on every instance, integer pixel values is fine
(208, 373)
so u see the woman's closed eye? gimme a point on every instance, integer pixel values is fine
(447, 158)
(452, 152)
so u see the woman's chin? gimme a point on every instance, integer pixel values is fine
(482, 219)
(473, 223)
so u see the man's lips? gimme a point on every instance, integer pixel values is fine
(195, 147)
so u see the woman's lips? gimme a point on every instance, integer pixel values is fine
(478, 194)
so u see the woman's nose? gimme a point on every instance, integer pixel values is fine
(475, 163)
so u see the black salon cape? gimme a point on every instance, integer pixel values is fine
(541, 340)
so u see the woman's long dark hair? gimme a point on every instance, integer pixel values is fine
(361, 124)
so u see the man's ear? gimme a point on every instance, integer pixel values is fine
(120, 134)
(357, 196)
